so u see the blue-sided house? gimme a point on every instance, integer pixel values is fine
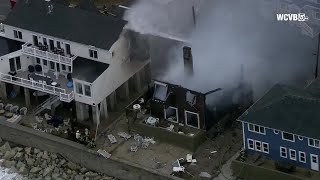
(285, 125)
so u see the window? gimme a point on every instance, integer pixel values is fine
(314, 143)
(265, 147)
(45, 41)
(276, 131)
(45, 62)
(93, 53)
(302, 157)
(256, 129)
(160, 91)
(171, 114)
(300, 138)
(87, 90)
(192, 119)
(17, 34)
(18, 63)
(38, 61)
(287, 136)
(258, 145)
(79, 89)
(52, 65)
(251, 144)
(191, 98)
(58, 44)
(69, 68)
(64, 68)
(293, 154)
(283, 152)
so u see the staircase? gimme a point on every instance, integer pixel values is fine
(46, 104)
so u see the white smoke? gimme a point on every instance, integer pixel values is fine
(228, 34)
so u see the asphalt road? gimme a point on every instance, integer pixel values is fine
(4, 7)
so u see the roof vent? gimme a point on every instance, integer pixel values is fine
(50, 9)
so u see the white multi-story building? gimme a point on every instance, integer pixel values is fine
(70, 53)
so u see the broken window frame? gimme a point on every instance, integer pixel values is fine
(177, 114)
(194, 98)
(155, 87)
(186, 119)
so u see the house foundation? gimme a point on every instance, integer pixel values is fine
(82, 111)
(3, 90)
(104, 109)
(27, 97)
(113, 100)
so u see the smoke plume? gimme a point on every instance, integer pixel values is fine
(227, 34)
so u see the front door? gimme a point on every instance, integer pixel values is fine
(314, 162)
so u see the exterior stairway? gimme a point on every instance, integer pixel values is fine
(46, 104)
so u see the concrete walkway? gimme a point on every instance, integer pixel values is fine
(226, 172)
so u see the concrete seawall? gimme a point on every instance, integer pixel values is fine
(77, 153)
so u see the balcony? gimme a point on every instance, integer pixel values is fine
(29, 49)
(21, 79)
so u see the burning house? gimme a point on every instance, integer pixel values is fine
(197, 108)
(188, 113)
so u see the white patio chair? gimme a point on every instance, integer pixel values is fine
(47, 117)
(8, 107)
(39, 119)
(23, 111)
(1, 106)
(14, 109)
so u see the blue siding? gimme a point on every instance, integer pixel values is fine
(275, 141)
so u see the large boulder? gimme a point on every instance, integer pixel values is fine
(20, 164)
(35, 170)
(23, 170)
(79, 177)
(9, 154)
(4, 148)
(8, 164)
(47, 171)
(45, 155)
(27, 150)
(72, 166)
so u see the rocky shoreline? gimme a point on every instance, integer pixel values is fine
(32, 163)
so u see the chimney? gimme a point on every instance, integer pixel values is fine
(188, 60)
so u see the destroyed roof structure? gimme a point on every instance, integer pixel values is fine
(284, 119)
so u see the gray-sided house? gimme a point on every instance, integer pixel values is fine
(73, 54)
(283, 126)
(194, 107)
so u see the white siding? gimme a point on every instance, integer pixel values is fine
(76, 48)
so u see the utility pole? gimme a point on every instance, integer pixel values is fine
(317, 63)
(194, 16)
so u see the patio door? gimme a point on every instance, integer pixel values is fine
(314, 162)
(35, 40)
(15, 64)
(51, 44)
(68, 50)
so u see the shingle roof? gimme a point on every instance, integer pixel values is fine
(73, 24)
(287, 109)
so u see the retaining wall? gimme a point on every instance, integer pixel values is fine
(77, 153)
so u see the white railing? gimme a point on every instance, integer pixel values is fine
(28, 49)
(62, 93)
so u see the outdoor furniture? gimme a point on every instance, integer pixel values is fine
(70, 84)
(112, 139)
(47, 117)
(66, 122)
(39, 120)
(124, 135)
(12, 73)
(23, 111)
(14, 109)
(104, 153)
(152, 121)
(8, 115)
(31, 68)
(15, 119)
(8, 107)
(1, 106)
(38, 68)
(37, 77)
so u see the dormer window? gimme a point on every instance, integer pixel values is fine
(160, 91)
(191, 98)
(93, 54)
